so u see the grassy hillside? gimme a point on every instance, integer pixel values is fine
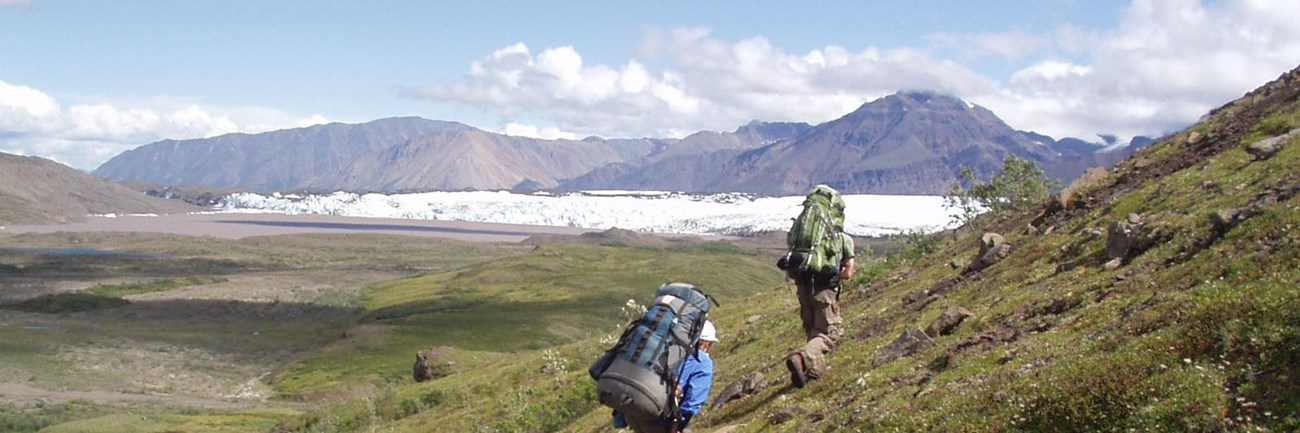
(1196, 330)
(557, 294)
(1192, 328)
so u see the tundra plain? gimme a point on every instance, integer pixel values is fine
(123, 324)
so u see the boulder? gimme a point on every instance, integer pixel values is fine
(911, 341)
(990, 241)
(786, 414)
(993, 248)
(1121, 236)
(1113, 264)
(744, 387)
(1266, 148)
(944, 324)
(1224, 219)
(429, 364)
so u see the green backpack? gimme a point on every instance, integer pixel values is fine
(814, 238)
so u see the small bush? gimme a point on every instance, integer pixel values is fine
(433, 398)
(41, 415)
(120, 290)
(917, 244)
(66, 303)
(1020, 184)
(552, 411)
(869, 270)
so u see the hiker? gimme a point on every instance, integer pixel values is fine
(646, 376)
(818, 285)
(696, 380)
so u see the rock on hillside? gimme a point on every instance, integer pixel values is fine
(36, 190)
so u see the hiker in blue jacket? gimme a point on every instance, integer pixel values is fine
(695, 382)
(697, 376)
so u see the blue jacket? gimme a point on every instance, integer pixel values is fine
(696, 379)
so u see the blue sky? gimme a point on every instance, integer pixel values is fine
(83, 81)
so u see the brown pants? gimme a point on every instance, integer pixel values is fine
(820, 311)
(646, 426)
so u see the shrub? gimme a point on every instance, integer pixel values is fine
(1020, 184)
(917, 244)
(869, 270)
(66, 303)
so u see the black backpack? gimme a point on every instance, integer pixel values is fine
(639, 375)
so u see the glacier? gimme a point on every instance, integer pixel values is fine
(642, 211)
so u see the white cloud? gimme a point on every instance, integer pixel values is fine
(1165, 64)
(533, 131)
(24, 109)
(711, 84)
(85, 135)
(1048, 71)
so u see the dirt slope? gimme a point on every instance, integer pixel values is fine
(39, 191)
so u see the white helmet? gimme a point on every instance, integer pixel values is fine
(709, 333)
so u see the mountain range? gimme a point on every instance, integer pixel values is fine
(906, 143)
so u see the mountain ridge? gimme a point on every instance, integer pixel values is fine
(906, 143)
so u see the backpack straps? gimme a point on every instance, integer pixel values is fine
(674, 409)
(640, 347)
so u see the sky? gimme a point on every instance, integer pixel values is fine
(82, 81)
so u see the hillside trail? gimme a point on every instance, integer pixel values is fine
(21, 394)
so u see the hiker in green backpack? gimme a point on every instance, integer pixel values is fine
(821, 255)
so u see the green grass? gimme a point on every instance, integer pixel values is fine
(81, 416)
(121, 290)
(39, 415)
(249, 420)
(555, 295)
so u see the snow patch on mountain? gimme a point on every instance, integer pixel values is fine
(644, 211)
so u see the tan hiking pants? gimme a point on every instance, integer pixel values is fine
(646, 425)
(820, 311)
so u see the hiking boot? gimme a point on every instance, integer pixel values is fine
(795, 364)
